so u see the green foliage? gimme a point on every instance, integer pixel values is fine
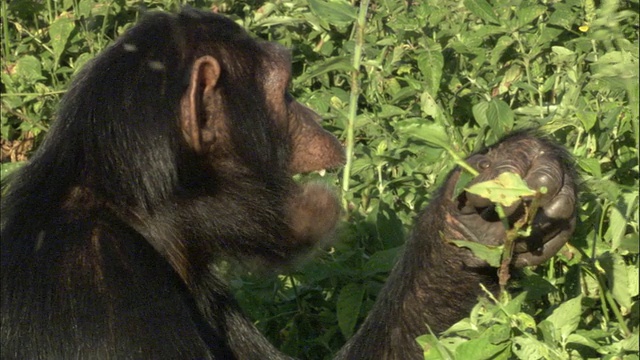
(436, 81)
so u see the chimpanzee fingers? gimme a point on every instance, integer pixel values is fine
(549, 248)
(563, 205)
(546, 172)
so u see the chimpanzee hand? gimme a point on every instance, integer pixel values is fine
(540, 163)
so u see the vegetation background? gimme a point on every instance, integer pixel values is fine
(410, 87)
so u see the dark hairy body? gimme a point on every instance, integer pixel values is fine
(176, 147)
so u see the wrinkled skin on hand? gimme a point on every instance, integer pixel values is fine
(540, 163)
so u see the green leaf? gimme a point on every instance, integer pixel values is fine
(527, 14)
(29, 68)
(632, 343)
(433, 349)
(480, 113)
(566, 317)
(630, 243)
(582, 340)
(501, 45)
(506, 189)
(434, 134)
(526, 347)
(348, 307)
(483, 10)
(524, 321)
(587, 118)
(335, 12)
(431, 63)
(590, 165)
(381, 261)
(500, 117)
(617, 223)
(618, 278)
(490, 254)
(483, 347)
(59, 31)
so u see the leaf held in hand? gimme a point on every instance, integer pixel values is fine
(505, 190)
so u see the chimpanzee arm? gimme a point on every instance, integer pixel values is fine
(436, 283)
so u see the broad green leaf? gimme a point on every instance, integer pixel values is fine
(562, 51)
(587, 118)
(565, 318)
(434, 134)
(548, 332)
(582, 340)
(500, 117)
(431, 108)
(84, 8)
(590, 165)
(617, 223)
(506, 189)
(430, 63)
(514, 306)
(29, 68)
(59, 31)
(618, 278)
(527, 348)
(527, 14)
(387, 111)
(433, 349)
(536, 286)
(501, 45)
(348, 307)
(630, 243)
(524, 321)
(482, 9)
(483, 348)
(498, 334)
(381, 261)
(632, 343)
(488, 253)
(335, 12)
(480, 113)
(512, 75)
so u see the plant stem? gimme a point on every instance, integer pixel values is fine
(5, 31)
(511, 234)
(461, 162)
(353, 99)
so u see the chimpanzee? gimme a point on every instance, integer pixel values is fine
(175, 147)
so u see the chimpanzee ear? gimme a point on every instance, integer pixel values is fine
(204, 76)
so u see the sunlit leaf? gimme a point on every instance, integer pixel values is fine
(482, 9)
(505, 189)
